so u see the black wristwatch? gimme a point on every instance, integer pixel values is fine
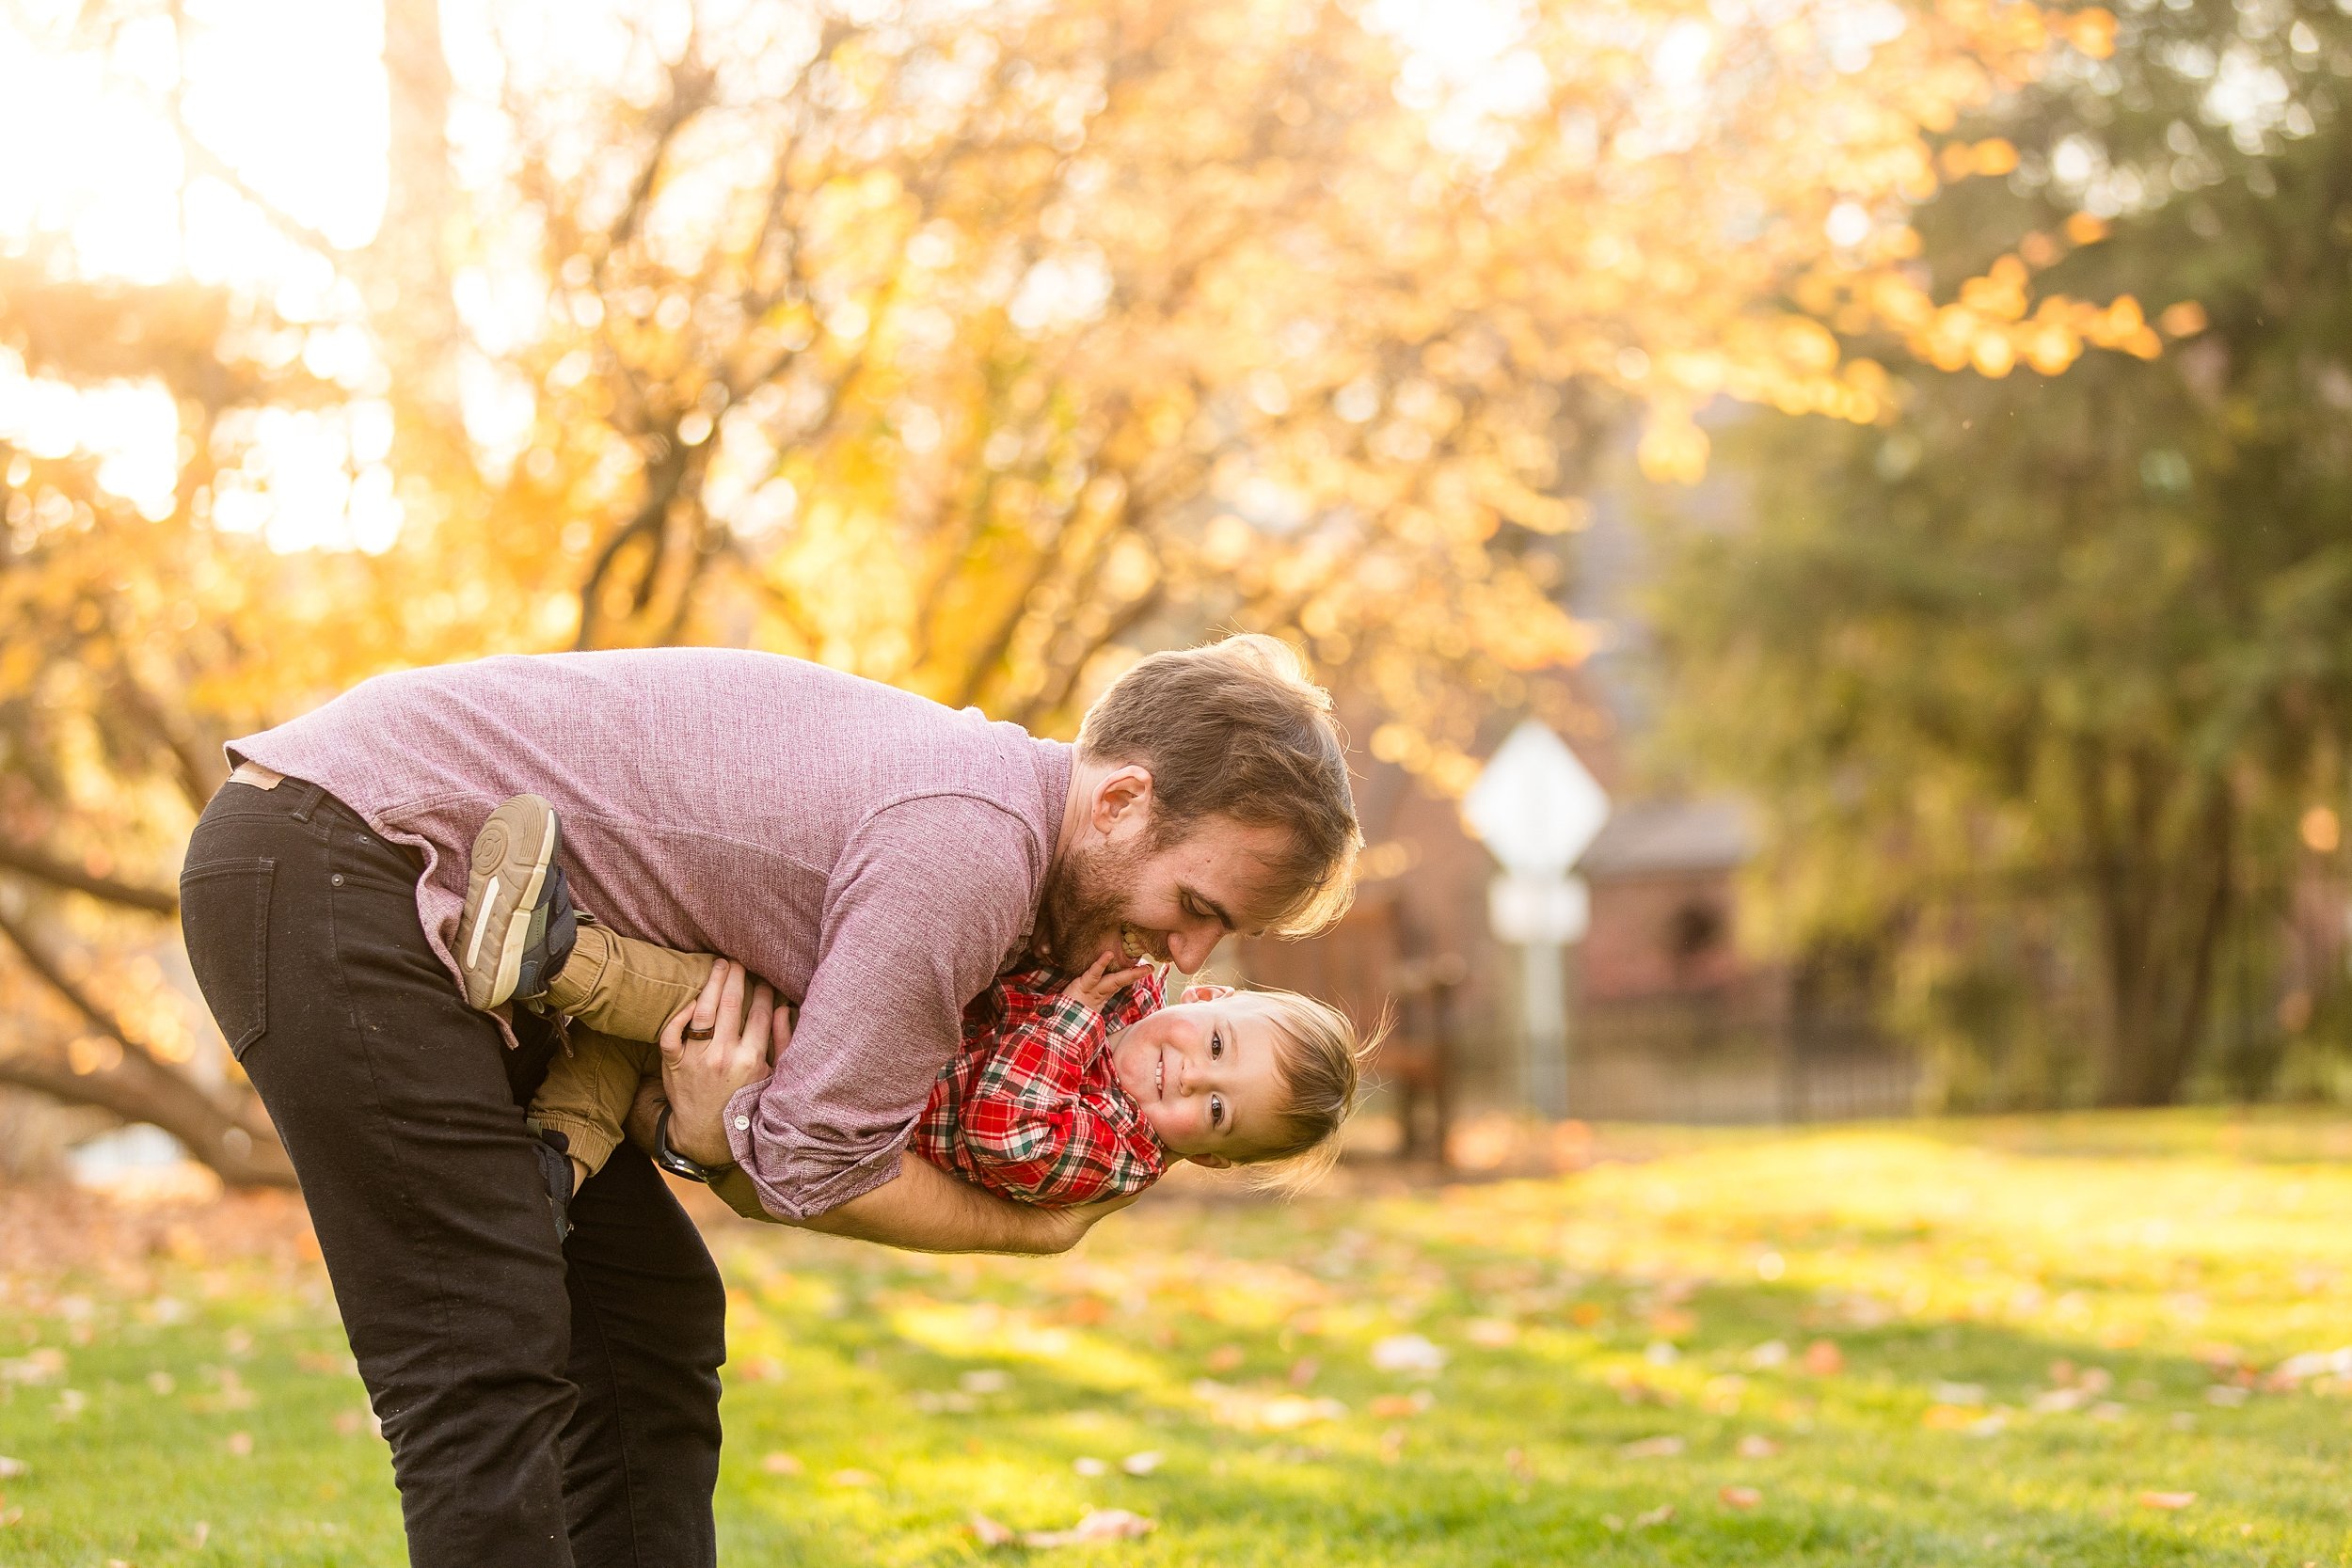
(676, 1163)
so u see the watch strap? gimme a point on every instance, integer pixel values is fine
(672, 1161)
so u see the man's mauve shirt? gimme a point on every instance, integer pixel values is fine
(876, 855)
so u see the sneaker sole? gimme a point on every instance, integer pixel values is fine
(504, 883)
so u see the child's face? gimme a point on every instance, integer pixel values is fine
(1203, 1075)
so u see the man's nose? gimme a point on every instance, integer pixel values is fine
(1189, 950)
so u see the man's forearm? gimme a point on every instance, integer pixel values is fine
(925, 1209)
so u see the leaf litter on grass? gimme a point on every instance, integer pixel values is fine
(1812, 1295)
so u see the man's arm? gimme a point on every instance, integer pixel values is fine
(922, 1208)
(926, 1210)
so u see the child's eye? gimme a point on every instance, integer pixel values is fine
(1216, 1110)
(1216, 1046)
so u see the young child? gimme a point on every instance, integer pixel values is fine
(1067, 1090)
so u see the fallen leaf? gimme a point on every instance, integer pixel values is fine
(1491, 1332)
(1516, 1461)
(1143, 1463)
(1087, 1465)
(1103, 1524)
(781, 1464)
(1251, 1410)
(854, 1477)
(1741, 1497)
(1770, 1353)
(2166, 1499)
(12, 1468)
(1755, 1445)
(1658, 1516)
(1822, 1358)
(1407, 1352)
(985, 1380)
(241, 1444)
(1651, 1448)
(989, 1533)
(1303, 1371)
(1391, 1408)
(1225, 1359)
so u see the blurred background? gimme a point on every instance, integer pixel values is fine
(1827, 519)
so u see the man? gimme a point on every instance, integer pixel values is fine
(878, 857)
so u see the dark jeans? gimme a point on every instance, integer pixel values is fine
(547, 1404)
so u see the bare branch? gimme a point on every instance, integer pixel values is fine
(47, 868)
(44, 965)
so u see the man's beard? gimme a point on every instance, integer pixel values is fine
(1085, 903)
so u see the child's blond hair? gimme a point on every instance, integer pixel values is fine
(1318, 1056)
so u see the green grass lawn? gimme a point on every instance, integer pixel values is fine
(2010, 1342)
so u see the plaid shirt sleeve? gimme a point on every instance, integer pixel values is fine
(1014, 1115)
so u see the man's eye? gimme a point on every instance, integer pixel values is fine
(1217, 1111)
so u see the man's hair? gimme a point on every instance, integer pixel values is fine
(1237, 730)
(1317, 1057)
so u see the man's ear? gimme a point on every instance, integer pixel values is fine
(1122, 800)
(1204, 993)
(1214, 1161)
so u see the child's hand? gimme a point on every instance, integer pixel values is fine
(1101, 982)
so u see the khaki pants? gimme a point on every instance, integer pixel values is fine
(618, 992)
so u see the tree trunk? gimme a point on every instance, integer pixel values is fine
(2163, 910)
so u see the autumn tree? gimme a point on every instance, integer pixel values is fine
(2046, 675)
(974, 349)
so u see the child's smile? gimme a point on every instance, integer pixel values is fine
(1204, 1077)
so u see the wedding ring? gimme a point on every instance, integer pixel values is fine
(694, 1033)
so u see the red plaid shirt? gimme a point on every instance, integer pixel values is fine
(1030, 1108)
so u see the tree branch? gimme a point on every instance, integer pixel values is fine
(56, 872)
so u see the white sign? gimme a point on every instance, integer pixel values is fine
(1539, 909)
(1534, 805)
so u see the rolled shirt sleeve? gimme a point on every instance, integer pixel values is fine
(928, 900)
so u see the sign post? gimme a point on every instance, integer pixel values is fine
(1536, 809)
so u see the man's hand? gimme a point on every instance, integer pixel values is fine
(699, 1076)
(925, 1209)
(1077, 1221)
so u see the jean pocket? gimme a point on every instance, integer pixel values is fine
(224, 916)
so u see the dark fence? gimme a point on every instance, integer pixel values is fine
(1697, 1060)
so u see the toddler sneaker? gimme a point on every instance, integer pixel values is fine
(518, 924)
